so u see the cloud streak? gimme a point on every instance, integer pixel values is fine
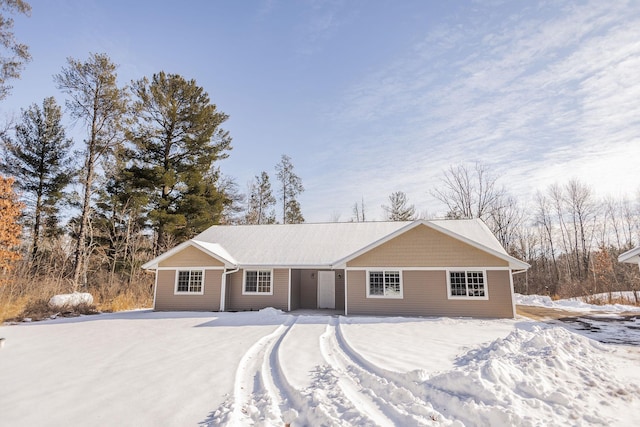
(540, 94)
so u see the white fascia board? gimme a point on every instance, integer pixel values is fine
(153, 264)
(632, 256)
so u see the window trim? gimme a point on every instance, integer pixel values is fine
(466, 271)
(190, 270)
(384, 270)
(244, 282)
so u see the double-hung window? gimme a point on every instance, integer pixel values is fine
(467, 284)
(258, 282)
(384, 284)
(189, 282)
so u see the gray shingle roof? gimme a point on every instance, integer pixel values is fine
(325, 244)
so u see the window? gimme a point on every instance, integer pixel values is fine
(384, 284)
(257, 282)
(189, 282)
(467, 284)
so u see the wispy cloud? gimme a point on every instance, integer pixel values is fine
(543, 93)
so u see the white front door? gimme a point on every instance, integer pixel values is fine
(327, 289)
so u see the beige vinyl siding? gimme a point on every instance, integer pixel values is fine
(425, 294)
(426, 247)
(191, 257)
(279, 299)
(167, 301)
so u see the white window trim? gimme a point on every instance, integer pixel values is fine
(175, 288)
(244, 282)
(467, 297)
(385, 270)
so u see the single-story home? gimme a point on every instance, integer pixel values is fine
(411, 268)
(631, 257)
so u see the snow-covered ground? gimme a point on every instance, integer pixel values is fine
(266, 368)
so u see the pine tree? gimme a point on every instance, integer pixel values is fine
(119, 216)
(10, 211)
(261, 201)
(12, 64)
(176, 141)
(96, 100)
(290, 188)
(399, 208)
(39, 158)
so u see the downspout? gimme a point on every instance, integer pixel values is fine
(155, 289)
(513, 294)
(289, 300)
(223, 288)
(346, 291)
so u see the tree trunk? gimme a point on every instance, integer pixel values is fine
(79, 256)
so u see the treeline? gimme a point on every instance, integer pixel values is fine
(144, 178)
(570, 237)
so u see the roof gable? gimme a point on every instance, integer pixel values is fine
(472, 232)
(424, 246)
(211, 249)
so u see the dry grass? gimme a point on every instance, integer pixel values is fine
(24, 295)
(41, 310)
(613, 300)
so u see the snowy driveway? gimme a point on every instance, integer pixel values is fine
(179, 369)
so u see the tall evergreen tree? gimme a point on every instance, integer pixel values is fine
(176, 140)
(119, 216)
(95, 99)
(290, 188)
(38, 157)
(261, 201)
(11, 64)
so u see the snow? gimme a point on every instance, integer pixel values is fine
(71, 300)
(573, 304)
(268, 368)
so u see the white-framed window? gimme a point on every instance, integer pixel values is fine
(467, 284)
(258, 282)
(190, 282)
(384, 284)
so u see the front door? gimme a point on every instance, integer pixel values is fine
(327, 289)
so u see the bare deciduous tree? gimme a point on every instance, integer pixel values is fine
(469, 193)
(95, 99)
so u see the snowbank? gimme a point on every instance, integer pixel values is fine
(573, 304)
(529, 376)
(71, 300)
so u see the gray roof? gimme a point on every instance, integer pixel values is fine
(321, 245)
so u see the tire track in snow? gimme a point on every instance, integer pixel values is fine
(258, 392)
(381, 400)
(428, 400)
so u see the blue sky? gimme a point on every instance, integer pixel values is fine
(372, 97)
